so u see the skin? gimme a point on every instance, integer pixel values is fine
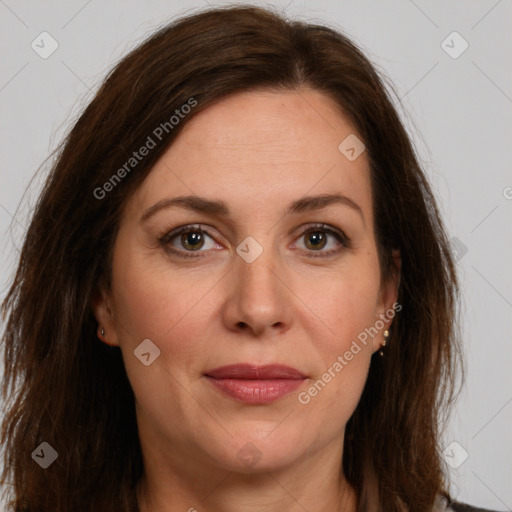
(257, 152)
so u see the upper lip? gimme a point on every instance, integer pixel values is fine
(252, 372)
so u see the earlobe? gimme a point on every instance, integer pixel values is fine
(103, 312)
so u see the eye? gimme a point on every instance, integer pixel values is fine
(319, 236)
(190, 239)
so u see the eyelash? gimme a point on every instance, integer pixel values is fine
(167, 237)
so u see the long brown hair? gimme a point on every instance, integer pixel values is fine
(64, 387)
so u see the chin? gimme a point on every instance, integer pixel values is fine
(261, 453)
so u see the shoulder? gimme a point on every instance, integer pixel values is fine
(442, 505)
(464, 507)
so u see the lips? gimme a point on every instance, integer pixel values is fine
(255, 385)
(251, 372)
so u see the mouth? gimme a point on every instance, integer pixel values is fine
(256, 385)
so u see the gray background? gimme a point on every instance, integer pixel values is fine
(458, 111)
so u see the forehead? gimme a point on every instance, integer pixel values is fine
(261, 148)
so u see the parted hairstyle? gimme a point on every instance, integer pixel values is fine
(61, 385)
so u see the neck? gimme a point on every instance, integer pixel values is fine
(306, 486)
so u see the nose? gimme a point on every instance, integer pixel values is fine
(258, 300)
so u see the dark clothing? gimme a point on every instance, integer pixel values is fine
(464, 507)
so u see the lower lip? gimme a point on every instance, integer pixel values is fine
(256, 392)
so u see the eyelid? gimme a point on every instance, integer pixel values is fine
(327, 228)
(168, 235)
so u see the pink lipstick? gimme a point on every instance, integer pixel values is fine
(256, 385)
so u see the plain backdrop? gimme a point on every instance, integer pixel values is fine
(456, 103)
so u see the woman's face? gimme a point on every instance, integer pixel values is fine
(255, 281)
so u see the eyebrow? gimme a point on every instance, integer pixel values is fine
(221, 209)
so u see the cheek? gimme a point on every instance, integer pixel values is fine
(346, 302)
(347, 306)
(154, 301)
(167, 308)
(344, 358)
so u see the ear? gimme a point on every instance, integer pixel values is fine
(103, 311)
(388, 296)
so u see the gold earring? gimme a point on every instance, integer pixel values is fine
(385, 334)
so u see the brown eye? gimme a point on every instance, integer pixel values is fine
(192, 240)
(315, 240)
(186, 240)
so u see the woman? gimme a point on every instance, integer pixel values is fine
(236, 291)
